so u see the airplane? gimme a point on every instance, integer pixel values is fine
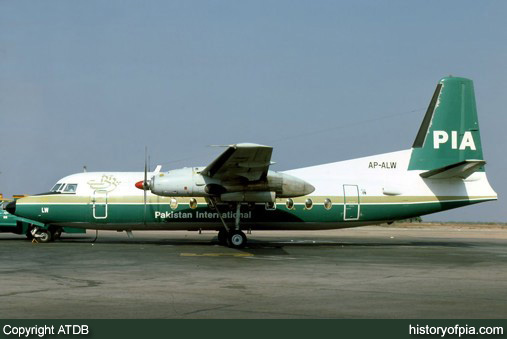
(443, 169)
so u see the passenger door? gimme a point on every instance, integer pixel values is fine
(351, 204)
(99, 205)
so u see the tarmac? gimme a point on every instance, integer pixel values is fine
(368, 272)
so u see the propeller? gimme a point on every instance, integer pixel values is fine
(145, 181)
(145, 184)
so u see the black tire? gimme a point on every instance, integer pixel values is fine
(222, 237)
(56, 234)
(236, 239)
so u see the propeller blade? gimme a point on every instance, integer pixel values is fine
(145, 182)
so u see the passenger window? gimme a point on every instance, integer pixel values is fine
(308, 204)
(70, 188)
(328, 204)
(289, 204)
(192, 203)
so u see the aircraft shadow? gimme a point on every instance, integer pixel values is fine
(255, 244)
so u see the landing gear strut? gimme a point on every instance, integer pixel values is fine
(234, 238)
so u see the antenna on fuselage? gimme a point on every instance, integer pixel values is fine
(85, 169)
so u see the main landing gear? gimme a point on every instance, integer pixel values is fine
(234, 238)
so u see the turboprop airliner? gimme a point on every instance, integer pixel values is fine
(443, 169)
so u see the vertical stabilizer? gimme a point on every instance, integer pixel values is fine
(449, 132)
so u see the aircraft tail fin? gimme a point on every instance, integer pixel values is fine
(448, 141)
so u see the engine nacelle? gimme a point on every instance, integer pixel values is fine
(284, 185)
(288, 186)
(189, 182)
(179, 183)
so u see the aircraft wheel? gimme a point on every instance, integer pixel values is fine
(56, 234)
(44, 236)
(222, 237)
(236, 239)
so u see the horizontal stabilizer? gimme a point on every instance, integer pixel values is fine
(462, 169)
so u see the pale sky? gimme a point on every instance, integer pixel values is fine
(92, 82)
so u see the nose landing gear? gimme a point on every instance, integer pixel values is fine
(40, 235)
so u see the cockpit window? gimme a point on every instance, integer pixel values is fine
(56, 187)
(70, 188)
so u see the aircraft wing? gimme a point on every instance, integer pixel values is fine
(240, 162)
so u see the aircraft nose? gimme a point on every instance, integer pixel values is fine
(11, 207)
